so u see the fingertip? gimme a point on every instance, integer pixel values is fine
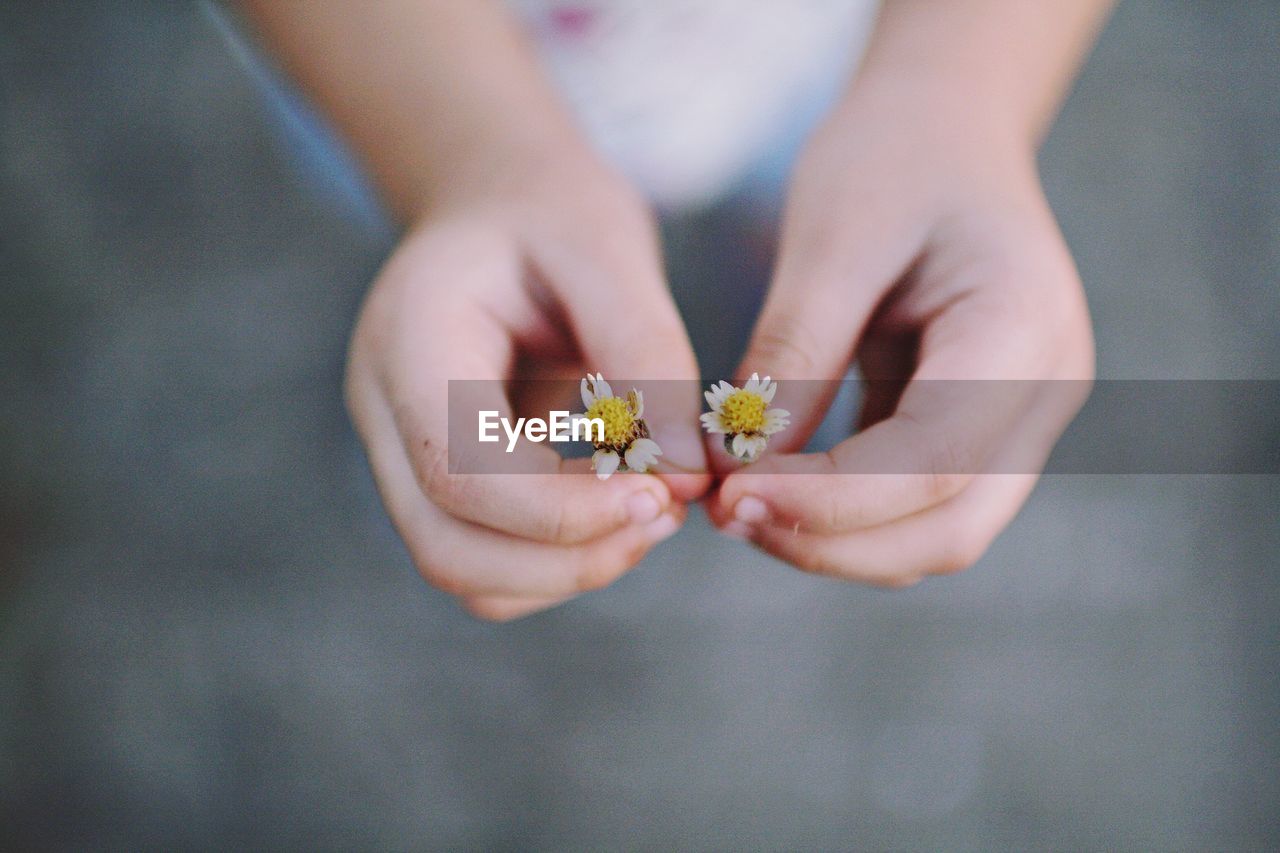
(598, 508)
(751, 510)
(749, 494)
(646, 498)
(663, 528)
(682, 448)
(740, 518)
(643, 507)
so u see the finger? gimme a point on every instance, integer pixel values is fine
(829, 279)
(942, 540)
(469, 560)
(434, 325)
(616, 300)
(533, 493)
(1025, 451)
(942, 433)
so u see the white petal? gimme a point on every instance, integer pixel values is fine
(648, 445)
(755, 446)
(602, 387)
(604, 463)
(768, 392)
(639, 402)
(713, 423)
(588, 396)
(775, 420)
(642, 453)
(740, 446)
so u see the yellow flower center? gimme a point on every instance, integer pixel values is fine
(619, 422)
(743, 411)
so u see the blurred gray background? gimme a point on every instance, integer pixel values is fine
(210, 636)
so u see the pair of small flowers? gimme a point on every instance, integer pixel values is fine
(742, 415)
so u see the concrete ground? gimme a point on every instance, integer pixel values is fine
(210, 636)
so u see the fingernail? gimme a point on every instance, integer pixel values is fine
(738, 530)
(643, 507)
(751, 510)
(681, 447)
(664, 528)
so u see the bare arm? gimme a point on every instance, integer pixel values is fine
(1003, 60)
(419, 87)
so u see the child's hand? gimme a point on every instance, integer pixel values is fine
(917, 241)
(521, 271)
(525, 257)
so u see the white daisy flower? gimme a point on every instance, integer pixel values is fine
(743, 417)
(626, 445)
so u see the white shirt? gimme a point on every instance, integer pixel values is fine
(685, 95)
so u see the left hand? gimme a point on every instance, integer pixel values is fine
(917, 241)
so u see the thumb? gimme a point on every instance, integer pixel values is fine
(617, 301)
(828, 281)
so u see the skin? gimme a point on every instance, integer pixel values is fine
(916, 241)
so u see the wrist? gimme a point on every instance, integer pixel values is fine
(477, 157)
(915, 140)
(936, 108)
(1000, 65)
(529, 180)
